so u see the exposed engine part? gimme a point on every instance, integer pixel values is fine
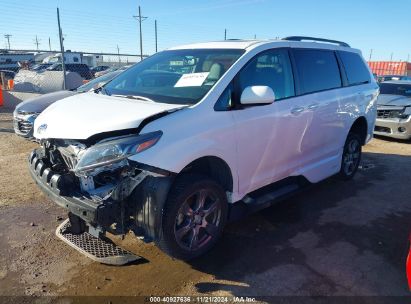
(86, 183)
(70, 151)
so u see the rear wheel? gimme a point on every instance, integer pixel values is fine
(351, 156)
(194, 217)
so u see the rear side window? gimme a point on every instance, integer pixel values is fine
(317, 70)
(357, 72)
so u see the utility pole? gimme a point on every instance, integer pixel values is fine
(140, 19)
(392, 54)
(118, 52)
(370, 54)
(37, 42)
(7, 36)
(225, 34)
(255, 36)
(155, 32)
(408, 57)
(62, 49)
(49, 44)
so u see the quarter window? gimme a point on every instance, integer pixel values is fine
(357, 72)
(317, 70)
(271, 68)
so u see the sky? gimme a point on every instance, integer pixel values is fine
(103, 25)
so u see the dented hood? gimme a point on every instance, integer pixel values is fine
(84, 115)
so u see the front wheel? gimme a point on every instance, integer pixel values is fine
(194, 217)
(351, 156)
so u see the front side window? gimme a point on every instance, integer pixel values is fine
(357, 72)
(271, 68)
(175, 76)
(317, 70)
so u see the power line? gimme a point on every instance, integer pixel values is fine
(140, 19)
(7, 36)
(73, 51)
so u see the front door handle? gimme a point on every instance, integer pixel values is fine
(297, 110)
(313, 106)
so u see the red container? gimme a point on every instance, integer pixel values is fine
(390, 67)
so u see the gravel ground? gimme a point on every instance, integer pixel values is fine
(337, 238)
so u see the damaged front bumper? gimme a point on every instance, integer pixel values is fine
(136, 204)
(393, 127)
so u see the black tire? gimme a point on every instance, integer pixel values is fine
(181, 227)
(351, 156)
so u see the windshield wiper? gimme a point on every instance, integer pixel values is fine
(101, 89)
(135, 97)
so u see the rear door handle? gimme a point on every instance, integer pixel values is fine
(297, 110)
(313, 106)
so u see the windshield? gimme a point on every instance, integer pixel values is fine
(175, 76)
(97, 82)
(396, 89)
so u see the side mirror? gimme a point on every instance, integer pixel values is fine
(257, 95)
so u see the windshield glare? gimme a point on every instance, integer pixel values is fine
(175, 76)
(395, 89)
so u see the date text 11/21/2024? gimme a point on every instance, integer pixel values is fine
(200, 299)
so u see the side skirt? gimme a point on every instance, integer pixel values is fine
(267, 196)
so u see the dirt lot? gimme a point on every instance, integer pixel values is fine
(337, 238)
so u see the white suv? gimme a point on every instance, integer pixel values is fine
(196, 135)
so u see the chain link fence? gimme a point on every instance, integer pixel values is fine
(42, 71)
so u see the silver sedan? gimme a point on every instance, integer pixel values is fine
(27, 111)
(394, 110)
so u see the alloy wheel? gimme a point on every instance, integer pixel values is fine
(197, 220)
(351, 157)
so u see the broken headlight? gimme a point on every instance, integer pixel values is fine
(111, 151)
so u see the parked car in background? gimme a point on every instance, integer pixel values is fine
(124, 67)
(394, 110)
(112, 69)
(169, 155)
(26, 112)
(99, 68)
(82, 69)
(40, 67)
(109, 70)
(393, 77)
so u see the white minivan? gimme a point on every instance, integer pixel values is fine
(196, 135)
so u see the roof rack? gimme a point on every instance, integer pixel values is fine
(304, 38)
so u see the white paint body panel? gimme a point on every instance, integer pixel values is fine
(260, 144)
(83, 115)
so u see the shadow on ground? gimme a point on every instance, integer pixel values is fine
(337, 238)
(395, 140)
